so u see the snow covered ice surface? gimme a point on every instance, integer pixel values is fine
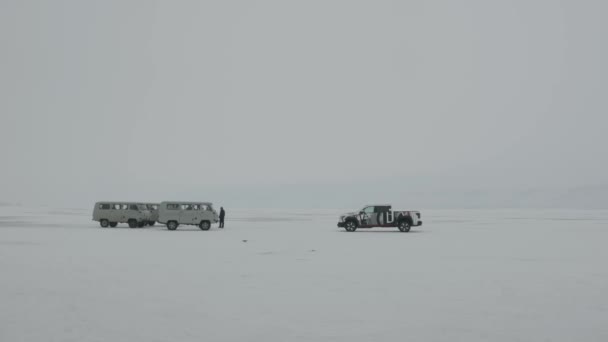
(466, 275)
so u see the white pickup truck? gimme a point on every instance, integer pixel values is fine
(380, 216)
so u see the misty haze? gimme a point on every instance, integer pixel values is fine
(478, 124)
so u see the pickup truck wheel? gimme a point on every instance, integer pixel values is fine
(113, 224)
(172, 225)
(350, 226)
(404, 226)
(132, 223)
(205, 225)
(104, 223)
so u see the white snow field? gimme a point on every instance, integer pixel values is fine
(466, 275)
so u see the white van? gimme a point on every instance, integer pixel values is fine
(199, 214)
(113, 213)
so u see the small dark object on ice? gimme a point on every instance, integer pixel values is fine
(244, 240)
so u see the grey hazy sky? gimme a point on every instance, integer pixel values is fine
(260, 101)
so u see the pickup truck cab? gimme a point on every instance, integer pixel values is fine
(382, 215)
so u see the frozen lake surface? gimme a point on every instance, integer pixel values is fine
(292, 275)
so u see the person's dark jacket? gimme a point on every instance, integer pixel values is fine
(222, 214)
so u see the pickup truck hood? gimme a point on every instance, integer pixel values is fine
(350, 214)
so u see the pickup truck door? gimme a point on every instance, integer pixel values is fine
(367, 217)
(384, 218)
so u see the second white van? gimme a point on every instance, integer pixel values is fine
(199, 214)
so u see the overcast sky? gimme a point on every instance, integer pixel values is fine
(257, 102)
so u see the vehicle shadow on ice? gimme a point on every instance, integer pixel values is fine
(383, 231)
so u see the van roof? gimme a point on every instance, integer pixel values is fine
(121, 202)
(186, 202)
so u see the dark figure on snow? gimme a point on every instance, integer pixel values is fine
(222, 215)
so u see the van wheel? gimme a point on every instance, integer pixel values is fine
(132, 223)
(103, 223)
(205, 225)
(172, 225)
(404, 226)
(113, 224)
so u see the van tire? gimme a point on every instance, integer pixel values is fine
(132, 223)
(103, 223)
(113, 224)
(204, 225)
(172, 225)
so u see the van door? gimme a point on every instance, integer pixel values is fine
(187, 214)
(171, 212)
(198, 213)
(123, 213)
(133, 212)
(111, 213)
(117, 213)
(203, 213)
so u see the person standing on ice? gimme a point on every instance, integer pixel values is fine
(222, 215)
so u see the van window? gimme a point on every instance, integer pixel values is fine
(116, 206)
(104, 206)
(124, 206)
(133, 207)
(187, 207)
(172, 206)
